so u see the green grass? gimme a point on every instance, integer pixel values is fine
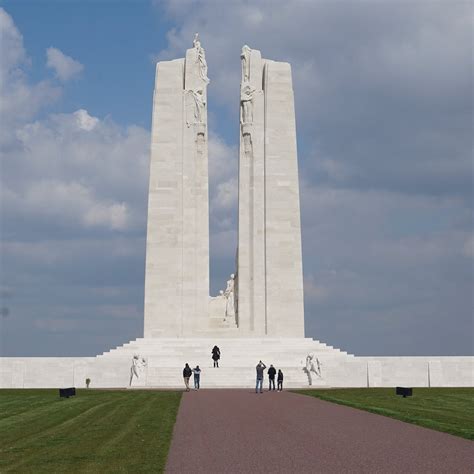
(95, 431)
(444, 409)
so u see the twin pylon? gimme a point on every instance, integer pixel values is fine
(267, 292)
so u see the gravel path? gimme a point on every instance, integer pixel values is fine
(238, 431)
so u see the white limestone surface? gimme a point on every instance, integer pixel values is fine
(283, 256)
(270, 272)
(251, 303)
(165, 359)
(177, 246)
(164, 258)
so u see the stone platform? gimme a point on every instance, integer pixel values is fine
(165, 358)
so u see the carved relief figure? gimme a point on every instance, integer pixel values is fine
(199, 105)
(200, 142)
(138, 365)
(246, 99)
(245, 56)
(229, 295)
(311, 367)
(248, 148)
(201, 58)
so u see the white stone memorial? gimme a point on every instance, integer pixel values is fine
(266, 298)
(260, 313)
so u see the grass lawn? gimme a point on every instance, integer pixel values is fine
(95, 431)
(444, 409)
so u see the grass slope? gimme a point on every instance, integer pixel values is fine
(96, 431)
(444, 409)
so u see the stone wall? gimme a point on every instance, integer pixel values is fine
(164, 365)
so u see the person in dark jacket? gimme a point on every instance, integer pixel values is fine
(271, 377)
(216, 355)
(186, 374)
(280, 380)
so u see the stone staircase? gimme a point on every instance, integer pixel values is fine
(165, 358)
(235, 351)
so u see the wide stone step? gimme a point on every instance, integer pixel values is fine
(210, 377)
(228, 355)
(231, 348)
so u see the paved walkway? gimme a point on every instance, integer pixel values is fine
(238, 431)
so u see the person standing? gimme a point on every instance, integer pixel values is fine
(271, 377)
(280, 380)
(197, 377)
(260, 368)
(186, 374)
(216, 355)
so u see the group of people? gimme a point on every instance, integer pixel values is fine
(216, 355)
(187, 372)
(271, 378)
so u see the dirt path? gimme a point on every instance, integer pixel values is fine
(238, 431)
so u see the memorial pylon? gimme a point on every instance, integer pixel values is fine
(177, 247)
(266, 297)
(269, 270)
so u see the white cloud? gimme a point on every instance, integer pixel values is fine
(19, 99)
(12, 51)
(222, 158)
(225, 196)
(113, 215)
(76, 171)
(67, 203)
(64, 66)
(85, 121)
(223, 184)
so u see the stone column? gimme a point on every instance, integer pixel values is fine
(195, 194)
(283, 257)
(251, 251)
(177, 252)
(164, 244)
(270, 275)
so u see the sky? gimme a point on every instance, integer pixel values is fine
(384, 113)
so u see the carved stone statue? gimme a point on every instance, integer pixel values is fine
(245, 56)
(247, 92)
(248, 146)
(311, 367)
(229, 295)
(138, 365)
(199, 104)
(196, 42)
(200, 141)
(201, 58)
